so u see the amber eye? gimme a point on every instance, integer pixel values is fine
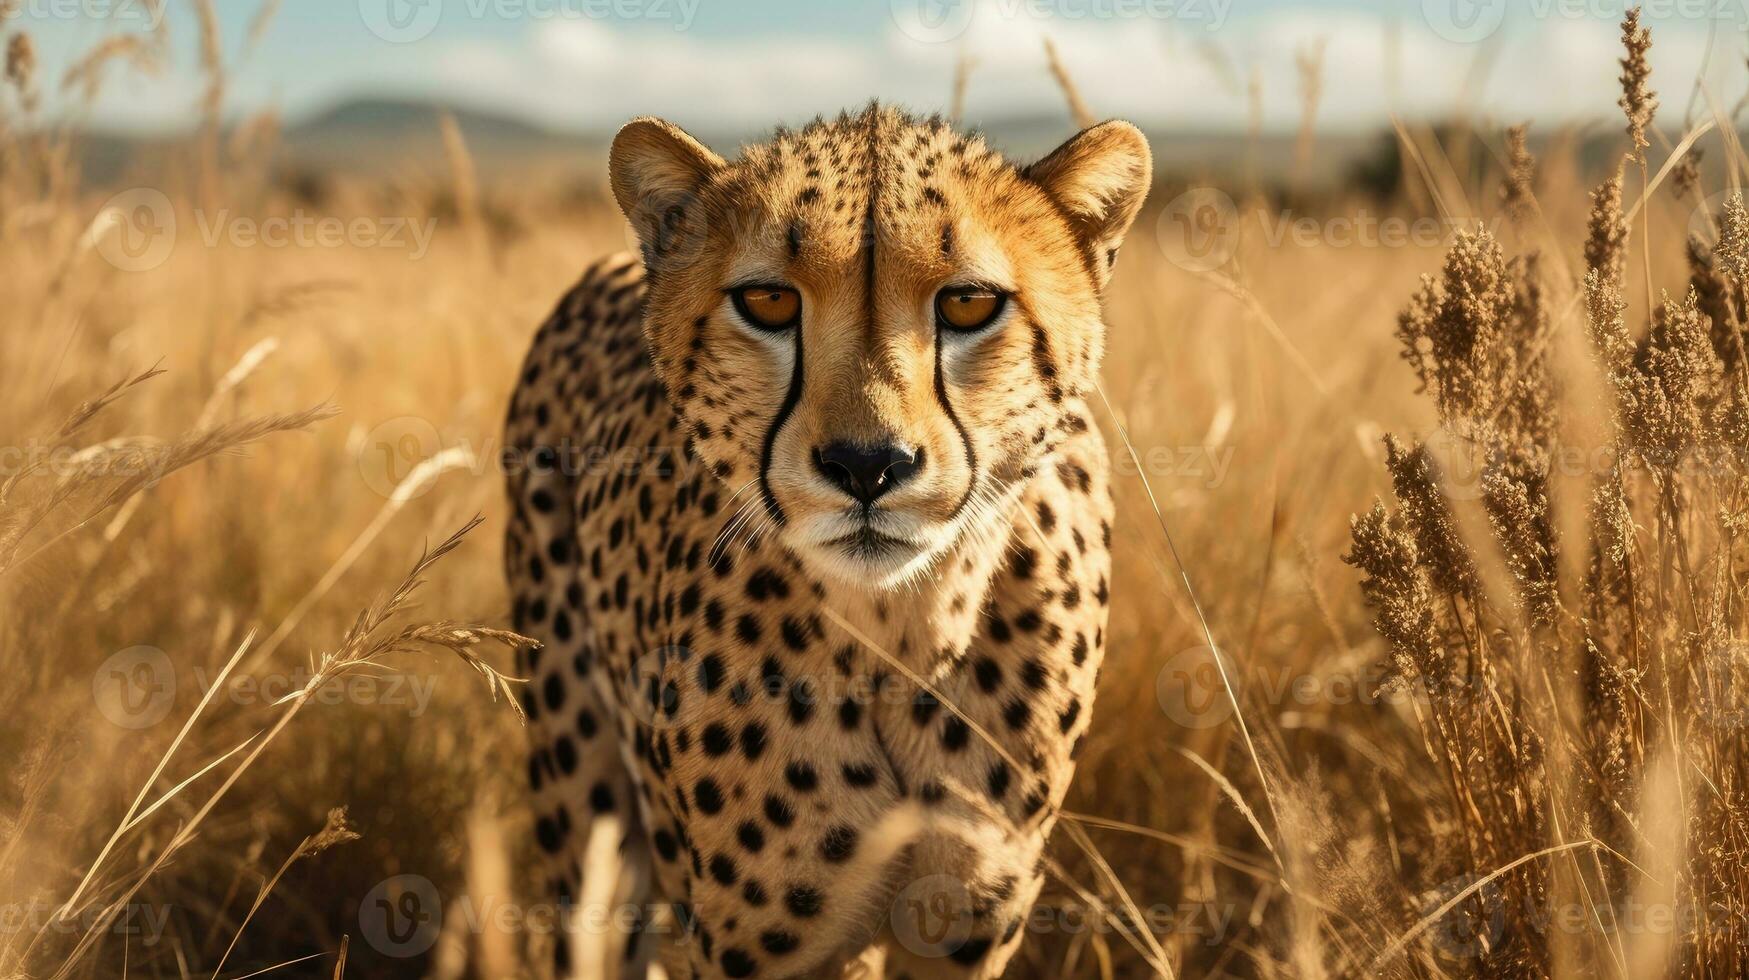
(968, 307)
(768, 307)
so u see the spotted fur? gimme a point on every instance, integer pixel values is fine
(805, 711)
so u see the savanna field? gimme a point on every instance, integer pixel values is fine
(1449, 465)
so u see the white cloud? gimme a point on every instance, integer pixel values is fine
(580, 73)
(583, 73)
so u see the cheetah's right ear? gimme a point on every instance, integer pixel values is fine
(1100, 177)
(654, 167)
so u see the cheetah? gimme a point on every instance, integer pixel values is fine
(813, 527)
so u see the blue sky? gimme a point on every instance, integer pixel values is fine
(587, 64)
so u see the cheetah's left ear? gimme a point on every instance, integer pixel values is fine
(1100, 177)
(655, 167)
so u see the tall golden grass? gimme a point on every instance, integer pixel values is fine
(1477, 708)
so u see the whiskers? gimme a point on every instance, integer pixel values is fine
(748, 521)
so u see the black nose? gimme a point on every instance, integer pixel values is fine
(867, 472)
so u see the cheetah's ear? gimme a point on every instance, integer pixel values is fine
(1100, 177)
(655, 167)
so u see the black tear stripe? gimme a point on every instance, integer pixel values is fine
(965, 438)
(790, 398)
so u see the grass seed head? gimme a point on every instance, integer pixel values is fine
(1638, 101)
(1607, 232)
(1685, 178)
(21, 67)
(1516, 192)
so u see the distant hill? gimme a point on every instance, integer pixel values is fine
(371, 133)
(380, 136)
(369, 136)
(392, 117)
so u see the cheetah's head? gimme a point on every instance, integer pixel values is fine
(876, 327)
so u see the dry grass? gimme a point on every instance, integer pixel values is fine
(1507, 741)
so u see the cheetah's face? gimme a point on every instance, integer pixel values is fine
(873, 327)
